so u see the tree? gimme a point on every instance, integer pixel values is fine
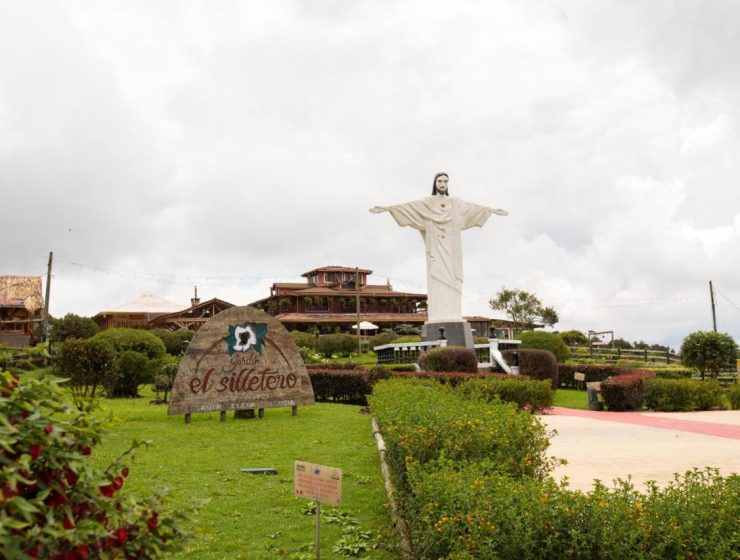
(621, 343)
(545, 341)
(709, 352)
(524, 308)
(574, 338)
(72, 326)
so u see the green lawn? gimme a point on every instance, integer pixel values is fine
(253, 517)
(571, 398)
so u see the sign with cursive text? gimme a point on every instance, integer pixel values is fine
(241, 359)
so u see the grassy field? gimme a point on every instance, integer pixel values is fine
(247, 516)
(571, 398)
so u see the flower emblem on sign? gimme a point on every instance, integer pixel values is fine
(246, 337)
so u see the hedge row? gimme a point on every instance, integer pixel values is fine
(682, 395)
(527, 394)
(472, 480)
(599, 372)
(625, 391)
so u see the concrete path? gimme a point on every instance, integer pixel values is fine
(647, 445)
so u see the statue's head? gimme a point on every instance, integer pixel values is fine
(440, 184)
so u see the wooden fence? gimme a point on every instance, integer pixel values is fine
(615, 354)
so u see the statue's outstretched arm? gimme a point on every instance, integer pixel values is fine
(378, 209)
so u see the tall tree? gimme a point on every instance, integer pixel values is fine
(524, 308)
(709, 352)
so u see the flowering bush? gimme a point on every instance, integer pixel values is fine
(472, 511)
(53, 502)
(534, 363)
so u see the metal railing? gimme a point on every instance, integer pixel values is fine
(616, 354)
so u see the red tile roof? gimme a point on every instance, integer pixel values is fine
(336, 269)
(351, 318)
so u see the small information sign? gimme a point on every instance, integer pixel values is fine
(317, 482)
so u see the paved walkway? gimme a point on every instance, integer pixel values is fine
(646, 445)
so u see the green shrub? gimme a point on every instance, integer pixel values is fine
(132, 370)
(672, 372)
(682, 395)
(164, 379)
(545, 341)
(451, 358)
(527, 394)
(536, 364)
(54, 503)
(451, 378)
(625, 392)
(86, 363)
(382, 338)
(143, 342)
(733, 393)
(343, 344)
(175, 342)
(470, 511)
(304, 339)
(709, 352)
(408, 338)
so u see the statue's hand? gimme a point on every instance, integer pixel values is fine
(378, 209)
(500, 212)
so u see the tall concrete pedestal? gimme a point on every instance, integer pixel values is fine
(457, 333)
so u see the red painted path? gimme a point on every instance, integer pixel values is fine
(651, 421)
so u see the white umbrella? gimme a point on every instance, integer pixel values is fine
(366, 326)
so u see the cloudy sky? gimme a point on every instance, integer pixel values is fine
(161, 145)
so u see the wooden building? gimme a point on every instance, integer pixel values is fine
(327, 301)
(138, 313)
(21, 310)
(193, 317)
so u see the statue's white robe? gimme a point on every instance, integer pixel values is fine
(440, 219)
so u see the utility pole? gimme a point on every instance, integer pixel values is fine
(714, 313)
(45, 327)
(357, 306)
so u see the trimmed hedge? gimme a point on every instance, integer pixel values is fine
(536, 364)
(682, 395)
(347, 386)
(527, 394)
(625, 392)
(733, 394)
(541, 340)
(451, 358)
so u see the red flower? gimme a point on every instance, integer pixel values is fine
(125, 471)
(83, 551)
(122, 535)
(56, 500)
(107, 490)
(67, 523)
(152, 522)
(35, 451)
(48, 428)
(33, 552)
(118, 483)
(85, 449)
(71, 477)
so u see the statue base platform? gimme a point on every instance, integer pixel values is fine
(457, 333)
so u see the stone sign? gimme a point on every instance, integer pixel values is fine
(241, 359)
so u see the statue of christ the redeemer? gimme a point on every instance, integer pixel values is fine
(440, 219)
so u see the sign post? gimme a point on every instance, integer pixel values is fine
(321, 484)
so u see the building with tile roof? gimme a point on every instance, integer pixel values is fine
(21, 310)
(327, 301)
